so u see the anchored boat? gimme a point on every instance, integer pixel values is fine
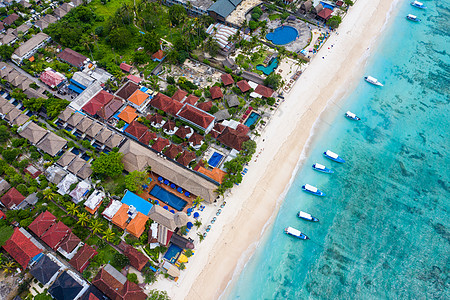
(333, 156)
(373, 80)
(352, 116)
(322, 168)
(413, 18)
(312, 190)
(296, 233)
(305, 216)
(418, 4)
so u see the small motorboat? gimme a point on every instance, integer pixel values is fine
(312, 190)
(413, 18)
(418, 4)
(373, 80)
(352, 116)
(296, 233)
(333, 156)
(305, 216)
(322, 168)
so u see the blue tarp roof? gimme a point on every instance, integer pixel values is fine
(75, 89)
(142, 206)
(78, 84)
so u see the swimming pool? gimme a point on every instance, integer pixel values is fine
(172, 253)
(270, 68)
(168, 198)
(282, 35)
(251, 119)
(215, 159)
(141, 205)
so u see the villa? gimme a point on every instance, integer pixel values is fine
(12, 199)
(22, 249)
(73, 58)
(197, 117)
(29, 48)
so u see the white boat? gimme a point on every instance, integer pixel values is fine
(418, 4)
(322, 168)
(333, 156)
(413, 18)
(296, 233)
(305, 216)
(352, 116)
(373, 80)
(312, 190)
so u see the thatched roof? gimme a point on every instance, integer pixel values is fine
(33, 132)
(66, 158)
(162, 217)
(52, 144)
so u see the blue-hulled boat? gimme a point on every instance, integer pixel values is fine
(333, 156)
(418, 4)
(322, 168)
(413, 18)
(312, 190)
(305, 216)
(296, 233)
(352, 116)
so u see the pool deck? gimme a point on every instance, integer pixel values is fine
(303, 29)
(146, 194)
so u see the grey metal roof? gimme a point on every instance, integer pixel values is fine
(224, 7)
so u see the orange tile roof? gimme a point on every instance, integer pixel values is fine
(121, 216)
(128, 114)
(137, 226)
(92, 211)
(138, 97)
(216, 174)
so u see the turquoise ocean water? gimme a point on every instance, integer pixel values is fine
(384, 230)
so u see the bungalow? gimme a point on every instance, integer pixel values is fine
(138, 100)
(137, 224)
(232, 138)
(94, 129)
(29, 48)
(52, 79)
(111, 210)
(306, 6)
(179, 95)
(64, 185)
(232, 100)
(67, 286)
(12, 199)
(76, 165)
(52, 144)
(128, 114)
(136, 130)
(205, 106)
(80, 260)
(156, 120)
(32, 132)
(264, 91)
(216, 92)
(227, 79)
(21, 29)
(107, 111)
(73, 58)
(160, 144)
(69, 245)
(134, 78)
(137, 259)
(80, 191)
(4, 185)
(186, 157)
(121, 217)
(85, 171)
(21, 248)
(103, 136)
(197, 117)
(45, 270)
(166, 104)
(195, 141)
(324, 14)
(94, 201)
(6, 108)
(84, 125)
(191, 99)
(125, 67)
(114, 141)
(66, 114)
(42, 223)
(184, 132)
(10, 19)
(169, 127)
(127, 90)
(147, 137)
(172, 151)
(8, 39)
(66, 159)
(158, 56)
(54, 236)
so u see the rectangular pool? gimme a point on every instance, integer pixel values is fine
(141, 205)
(168, 198)
(251, 119)
(215, 159)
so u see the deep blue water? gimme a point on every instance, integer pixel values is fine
(384, 230)
(282, 35)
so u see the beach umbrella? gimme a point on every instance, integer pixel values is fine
(187, 194)
(172, 185)
(189, 210)
(180, 190)
(156, 202)
(166, 207)
(189, 225)
(160, 178)
(166, 182)
(196, 215)
(172, 211)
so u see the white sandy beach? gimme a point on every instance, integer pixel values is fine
(250, 205)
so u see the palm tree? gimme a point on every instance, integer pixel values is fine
(198, 200)
(200, 237)
(72, 209)
(86, 41)
(49, 194)
(96, 226)
(198, 223)
(9, 267)
(83, 219)
(108, 234)
(220, 191)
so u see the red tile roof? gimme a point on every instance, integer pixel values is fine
(147, 137)
(242, 129)
(42, 223)
(169, 125)
(191, 99)
(134, 78)
(339, 3)
(206, 106)
(160, 144)
(136, 129)
(137, 259)
(264, 91)
(72, 57)
(51, 78)
(55, 235)
(127, 90)
(227, 79)
(110, 109)
(128, 114)
(325, 13)
(103, 97)
(70, 242)
(219, 127)
(186, 157)
(196, 116)
(243, 86)
(112, 288)
(183, 131)
(125, 67)
(162, 102)
(232, 138)
(175, 107)
(11, 198)
(138, 97)
(195, 139)
(21, 248)
(216, 92)
(92, 107)
(172, 151)
(179, 95)
(81, 259)
(158, 55)
(156, 118)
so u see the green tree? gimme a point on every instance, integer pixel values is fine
(119, 37)
(119, 261)
(132, 277)
(197, 201)
(334, 21)
(4, 134)
(151, 41)
(83, 219)
(6, 51)
(72, 209)
(177, 14)
(96, 226)
(158, 295)
(273, 81)
(108, 164)
(49, 195)
(108, 234)
(135, 180)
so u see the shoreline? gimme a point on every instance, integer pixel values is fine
(253, 204)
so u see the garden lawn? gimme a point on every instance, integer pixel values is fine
(274, 17)
(5, 234)
(55, 210)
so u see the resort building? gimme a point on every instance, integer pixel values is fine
(73, 58)
(227, 79)
(128, 114)
(138, 100)
(12, 199)
(45, 270)
(111, 210)
(179, 95)
(170, 127)
(54, 236)
(108, 110)
(80, 260)
(94, 201)
(156, 120)
(232, 138)
(193, 8)
(197, 117)
(69, 245)
(158, 56)
(42, 223)
(29, 48)
(22, 249)
(127, 90)
(137, 259)
(221, 9)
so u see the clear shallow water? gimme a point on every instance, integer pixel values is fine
(282, 35)
(384, 230)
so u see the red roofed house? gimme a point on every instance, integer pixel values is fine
(156, 120)
(179, 95)
(160, 144)
(138, 100)
(147, 137)
(55, 235)
(227, 79)
(21, 248)
(173, 151)
(92, 107)
(216, 92)
(191, 99)
(184, 132)
(162, 102)
(12, 199)
(324, 14)
(116, 286)
(51, 78)
(136, 129)
(195, 141)
(170, 127)
(264, 91)
(125, 67)
(232, 138)
(186, 157)
(42, 223)
(158, 56)
(69, 243)
(339, 3)
(197, 117)
(243, 86)
(81, 259)
(72, 57)
(103, 97)
(137, 259)
(206, 106)
(134, 78)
